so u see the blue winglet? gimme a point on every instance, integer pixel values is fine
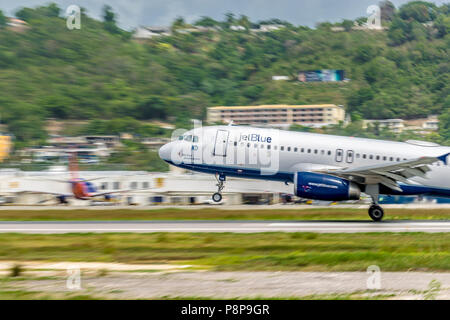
(443, 158)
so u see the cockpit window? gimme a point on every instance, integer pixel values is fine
(188, 138)
(180, 138)
(195, 139)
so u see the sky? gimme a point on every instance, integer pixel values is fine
(133, 13)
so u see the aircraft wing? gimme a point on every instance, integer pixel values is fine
(388, 174)
(43, 192)
(98, 194)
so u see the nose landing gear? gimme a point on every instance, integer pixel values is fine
(376, 213)
(217, 197)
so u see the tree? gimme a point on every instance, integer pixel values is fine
(387, 9)
(244, 21)
(444, 125)
(399, 31)
(229, 19)
(3, 20)
(178, 24)
(442, 24)
(206, 22)
(53, 10)
(419, 11)
(109, 19)
(347, 24)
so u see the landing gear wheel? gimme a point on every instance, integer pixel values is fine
(376, 212)
(217, 197)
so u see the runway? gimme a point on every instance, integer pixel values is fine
(58, 227)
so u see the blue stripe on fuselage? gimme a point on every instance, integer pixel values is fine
(407, 189)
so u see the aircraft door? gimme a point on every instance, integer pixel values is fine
(350, 156)
(220, 146)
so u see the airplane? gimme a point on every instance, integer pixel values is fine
(320, 166)
(81, 189)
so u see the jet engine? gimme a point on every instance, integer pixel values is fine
(62, 199)
(324, 187)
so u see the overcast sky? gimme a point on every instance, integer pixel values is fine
(132, 13)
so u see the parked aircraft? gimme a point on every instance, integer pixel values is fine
(79, 188)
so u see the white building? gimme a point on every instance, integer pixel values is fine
(394, 125)
(144, 33)
(143, 188)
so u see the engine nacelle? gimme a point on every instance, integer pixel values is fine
(324, 187)
(62, 199)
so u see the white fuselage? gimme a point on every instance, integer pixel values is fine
(277, 155)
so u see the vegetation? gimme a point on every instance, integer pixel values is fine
(234, 251)
(99, 72)
(137, 156)
(121, 125)
(304, 213)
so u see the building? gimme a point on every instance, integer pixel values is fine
(430, 123)
(143, 188)
(280, 78)
(278, 115)
(394, 125)
(17, 25)
(144, 33)
(5, 146)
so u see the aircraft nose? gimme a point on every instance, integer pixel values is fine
(164, 152)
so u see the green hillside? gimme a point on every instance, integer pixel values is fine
(100, 72)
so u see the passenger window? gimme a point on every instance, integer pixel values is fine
(288, 148)
(309, 150)
(391, 159)
(398, 159)
(268, 147)
(302, 150)
(248, 145)
(329, 152)
(282, 148)
(295, 149)
(378, 157)
(315, 151)
(364, 156)
(339, 155)
(235, 143)
(195, 139)
(371, 157)
(275, 147)
(357, 156)
(384, 158)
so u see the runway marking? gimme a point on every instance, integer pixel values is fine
(222, 226)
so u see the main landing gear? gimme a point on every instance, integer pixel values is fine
(217, 197)
(376, 213)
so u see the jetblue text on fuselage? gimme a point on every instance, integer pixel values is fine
(255, 137)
